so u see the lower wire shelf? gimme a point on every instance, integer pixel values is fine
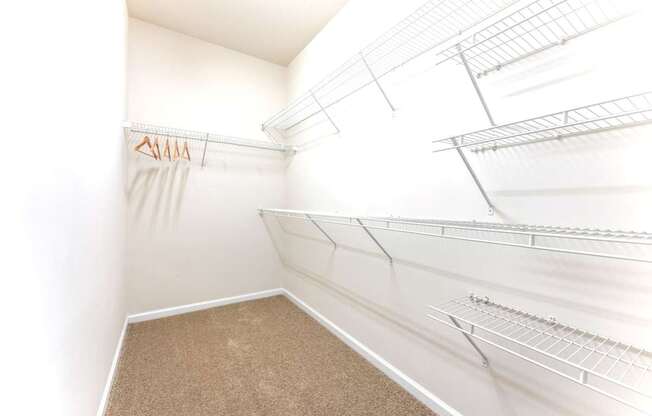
(614, 369)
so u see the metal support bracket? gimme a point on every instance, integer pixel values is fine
(323, 110)
(321, 230)
(491, 120)
(475, 85)
(377, 82)
(391, 260)
(203, 156)
(485, 361)
(475, 178)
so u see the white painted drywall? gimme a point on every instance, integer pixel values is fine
(194, 234)
(382, 164)
(63, 204)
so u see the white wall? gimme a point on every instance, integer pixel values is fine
(194, 234)
(382, 164)
(63, 204)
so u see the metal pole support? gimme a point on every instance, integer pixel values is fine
(391, 260)
(485, 361)
(491, 120)
(376, 81)
(323, 110)
(321, 230)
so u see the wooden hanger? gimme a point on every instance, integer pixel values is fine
(186, 152)
(156, 149)
(143, 142)
(166, 150)
(176, 150)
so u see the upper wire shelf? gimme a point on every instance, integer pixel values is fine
(204, 137)
(540, 25)
(588, 242)
(608, 115)
(612, 368)
(430, 26)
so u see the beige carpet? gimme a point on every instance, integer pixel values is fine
(258, 358)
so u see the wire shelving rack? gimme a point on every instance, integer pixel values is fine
(540, 25)
(614, 114)
(618, 370)
(430, 26)
(594, 242)
(136, 129)
(533, 28)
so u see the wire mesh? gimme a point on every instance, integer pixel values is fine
(547, 238)
(430, 26)
(590, 359)
(540, 25)
(609, 115)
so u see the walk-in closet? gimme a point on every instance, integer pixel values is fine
(327, 208)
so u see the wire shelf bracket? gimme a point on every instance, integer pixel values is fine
(614, 369)
(319, 227)
(382, 91)
(543, 238)
(380, 246)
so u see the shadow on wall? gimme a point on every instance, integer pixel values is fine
(155, 195)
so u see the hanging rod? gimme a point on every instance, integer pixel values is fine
(204, 137)
(615, 114)
(525, 236)
(432, 25)
(602, 364)
(539, 26)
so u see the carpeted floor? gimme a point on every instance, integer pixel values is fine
(258, 358)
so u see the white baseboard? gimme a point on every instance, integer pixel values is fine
(114, 365)
(417, 390)
(178, 310)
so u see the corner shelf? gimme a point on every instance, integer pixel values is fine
(512, 235)
(614, 369)
(540, 25)
(430, 26)
(608, 115)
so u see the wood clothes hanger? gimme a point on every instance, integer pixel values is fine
(145, 141)
(156, 149)
(186, 152)
(177, 155)
(166, 150)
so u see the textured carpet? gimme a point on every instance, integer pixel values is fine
(258, 358)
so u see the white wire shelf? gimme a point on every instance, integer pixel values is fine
(135, 128)
(540, 25)
(614, 369)
(583, 241)
(615, 114)
(430, 26)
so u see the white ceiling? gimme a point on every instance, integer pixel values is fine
(273, 30)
